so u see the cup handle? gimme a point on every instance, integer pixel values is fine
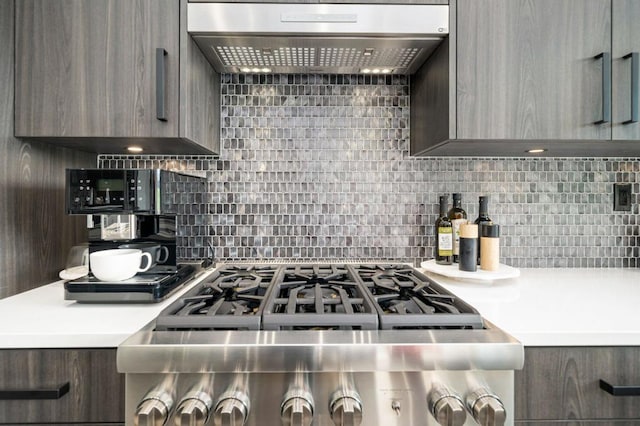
(85, 258)
(149, 262)
(163, 254)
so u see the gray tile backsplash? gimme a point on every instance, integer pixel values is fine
(316, 167)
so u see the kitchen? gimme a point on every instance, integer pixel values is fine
(331, 179)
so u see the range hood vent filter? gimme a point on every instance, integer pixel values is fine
(324, 58)
(317, 38)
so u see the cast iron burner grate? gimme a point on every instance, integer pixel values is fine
(230, 299)
(318, 297)
(405, 298)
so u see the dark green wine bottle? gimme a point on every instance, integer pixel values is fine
(457, 215)
(444, 235)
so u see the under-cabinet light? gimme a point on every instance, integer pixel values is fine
(376, 70)
(536, 150)
(135, 149)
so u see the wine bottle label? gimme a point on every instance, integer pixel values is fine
(445, 241)
(455, 223)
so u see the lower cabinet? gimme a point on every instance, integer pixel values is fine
(562, 386)
(60, 386)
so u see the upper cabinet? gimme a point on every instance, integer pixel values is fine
(524, 74)
(626, 69)
(103, 75)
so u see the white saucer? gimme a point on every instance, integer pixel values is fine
(453, 271)
(74, 272)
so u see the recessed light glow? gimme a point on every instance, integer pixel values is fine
(536, 150)
(245, 69)
(375, 71)
(134, 149)
(266, 70)
(366, 71)
(386, 70)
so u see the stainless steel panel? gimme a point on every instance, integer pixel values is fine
(319, 351)
(334, 38)
(389, 399)
(323, 19)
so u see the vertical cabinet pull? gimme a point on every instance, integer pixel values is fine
(161, 54)
(635, 89)
(606, 87)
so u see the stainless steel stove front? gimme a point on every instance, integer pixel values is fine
(360, 377)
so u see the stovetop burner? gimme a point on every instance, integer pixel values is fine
(405, 298)
(318, 297)
(231, 298)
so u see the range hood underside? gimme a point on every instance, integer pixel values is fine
(299, 54)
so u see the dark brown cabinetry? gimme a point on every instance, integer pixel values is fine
(35, 232)
(95, 389)
(562, 384)
(106, 74)
(522, 74)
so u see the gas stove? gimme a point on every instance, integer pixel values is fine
(321, 344)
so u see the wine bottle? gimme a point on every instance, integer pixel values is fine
(444, 235)
(483, 218)
(457, 215)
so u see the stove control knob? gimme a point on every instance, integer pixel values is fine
(194, 409)
(486, 408)
(346, 408)
(154, 409)
(446, 406)
(297, 408)
(232, 409)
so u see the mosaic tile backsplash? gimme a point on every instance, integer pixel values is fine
(316, 167)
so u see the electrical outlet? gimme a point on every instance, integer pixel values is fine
(622, 197)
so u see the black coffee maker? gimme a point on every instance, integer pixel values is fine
(130, 208)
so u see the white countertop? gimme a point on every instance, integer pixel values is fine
(542, 307)
(559, 307)
(41, 318)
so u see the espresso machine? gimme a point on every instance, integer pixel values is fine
(130, 208)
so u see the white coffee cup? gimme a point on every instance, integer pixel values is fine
(118, 264)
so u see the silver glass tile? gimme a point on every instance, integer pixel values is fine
(316, 167)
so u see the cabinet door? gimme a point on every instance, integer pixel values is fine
(526, 68)
(95, 388)
(563, 383)
(626, 40)
(88, 68)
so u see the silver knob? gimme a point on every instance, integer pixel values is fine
(346, 408)
(297, 408)
(232, 409)
(487, 409)
(194, 409)
(154, 408)
(446, 406)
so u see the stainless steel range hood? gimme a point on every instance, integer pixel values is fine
(317, 38)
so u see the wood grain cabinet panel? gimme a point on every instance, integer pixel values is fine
(626, 40)
(88, 77)
(562, 384)
(96, 389)
(521, 74)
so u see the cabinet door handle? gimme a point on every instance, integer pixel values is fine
(619, 390)
(161, 114)
(55, 393)
(635, 89)
(606, 87)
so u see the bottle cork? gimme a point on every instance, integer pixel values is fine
(490, 247)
